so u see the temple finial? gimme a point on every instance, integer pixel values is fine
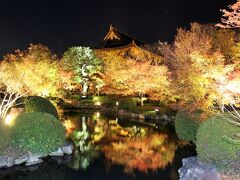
(111, 27)
(133, 43)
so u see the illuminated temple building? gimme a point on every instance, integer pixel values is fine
(125, 46)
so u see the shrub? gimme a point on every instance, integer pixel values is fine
(4, 137)
(39, 104)
(216, 141)
(37, 132)
(102, 99)
(186, 126)
(128, 104)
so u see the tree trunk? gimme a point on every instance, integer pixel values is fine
(85, 88)
(141, 97)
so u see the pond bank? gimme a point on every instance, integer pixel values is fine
(114, 111)
(13, 156)
(193, 168)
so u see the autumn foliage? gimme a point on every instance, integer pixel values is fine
(231, 17)
(144, 154)
(34, 71)
(196, 69)
(129, 77)
(30, 72)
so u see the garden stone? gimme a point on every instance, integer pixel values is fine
(58, 152)
(67, 148)
(165, 117)
(10, 161)
(23, 158)
(193, 169)
(33, 159)
(3, 161)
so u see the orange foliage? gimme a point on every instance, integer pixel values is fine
(125, 76)
(198, 70)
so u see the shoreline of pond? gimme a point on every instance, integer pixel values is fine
(116, 112)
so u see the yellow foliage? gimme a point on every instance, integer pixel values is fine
(127, 76)
(33, 72)
(199, 70)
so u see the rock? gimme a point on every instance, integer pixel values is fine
(193, 169)
(33, 159)
(3, 161)
(165, 117)
(16, 158)
(10, 161)
(58, 152)
(30, 163)
(67, 148)
(22, 159)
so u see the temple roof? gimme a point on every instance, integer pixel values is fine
(116, 38)
(130, 51)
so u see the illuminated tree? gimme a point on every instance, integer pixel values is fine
(226, 40)
(230, 87)
(31, 72)
(198, 70)
(129, 78)
(231, 18)
(83, 64)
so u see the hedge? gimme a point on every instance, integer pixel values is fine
(37, 132)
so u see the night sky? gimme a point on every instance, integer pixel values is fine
(65, 23)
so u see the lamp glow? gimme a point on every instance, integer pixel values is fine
(97, 103)
(9, 119)
(97, 114)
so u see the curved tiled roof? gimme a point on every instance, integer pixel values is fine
(116, 38)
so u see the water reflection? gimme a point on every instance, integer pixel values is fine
(136, 147)
(147, 153)
(86, 150)
(110, 149)
(42, 171)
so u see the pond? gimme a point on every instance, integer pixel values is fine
(111, 148)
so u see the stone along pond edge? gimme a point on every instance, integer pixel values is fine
(28, 158)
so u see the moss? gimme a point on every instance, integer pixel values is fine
(217, 141)
(4, 137)
(37, 132)
(186, 126)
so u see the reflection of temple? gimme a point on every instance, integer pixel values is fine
(125, 46)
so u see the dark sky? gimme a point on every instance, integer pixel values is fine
(64, 23)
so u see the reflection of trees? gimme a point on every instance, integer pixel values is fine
(142, 153)
(81, 137)
(86, 150)
(81, 160)
(135, 147)
(115, 132)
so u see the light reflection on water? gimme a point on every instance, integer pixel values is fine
(117, 147)
(134, 146)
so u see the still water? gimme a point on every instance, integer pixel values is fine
(110, 148)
